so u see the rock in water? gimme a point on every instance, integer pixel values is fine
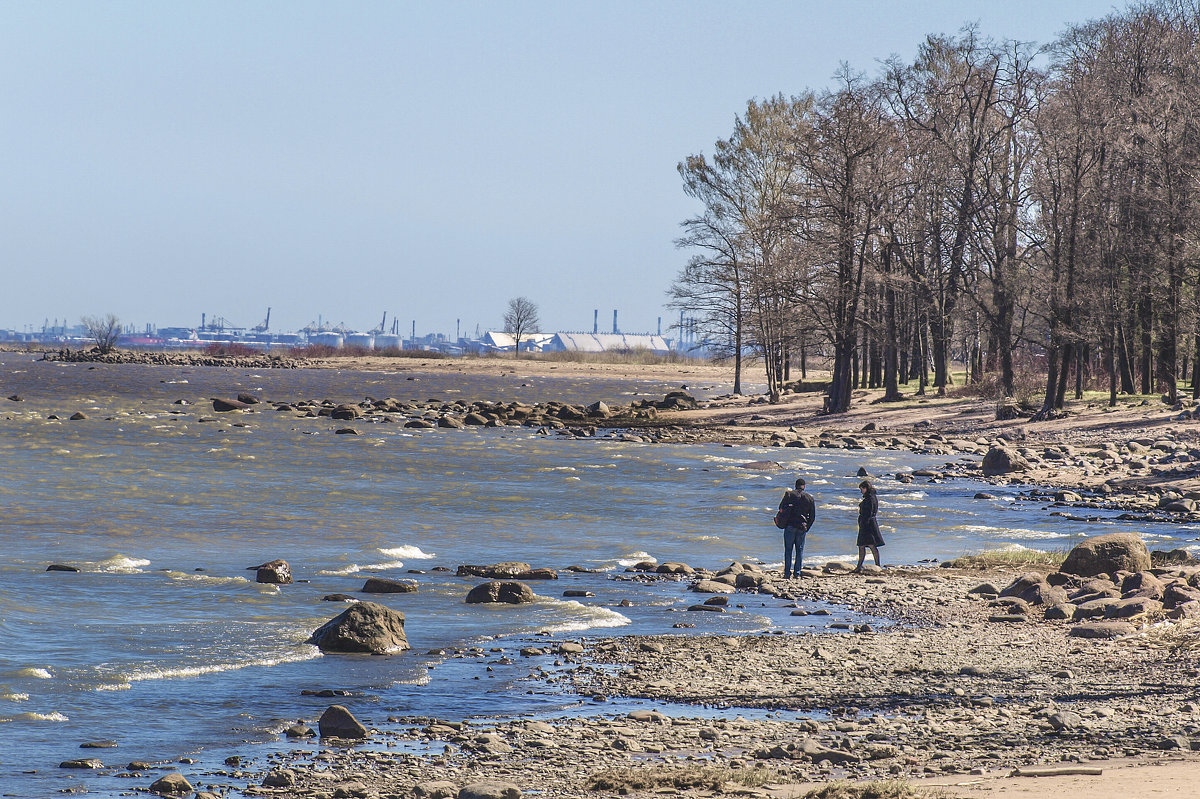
(1106, 554)
(508, 591)
(273, 571)
(382, 585)
(173, 784)
(222, 405)
(338, 722)
(364, 627)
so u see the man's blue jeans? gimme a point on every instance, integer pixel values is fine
(793, 537)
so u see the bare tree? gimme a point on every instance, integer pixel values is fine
(521, 319)
(104, 330)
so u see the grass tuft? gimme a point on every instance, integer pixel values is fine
(882, 789)
(626, 780)
(1000, 558)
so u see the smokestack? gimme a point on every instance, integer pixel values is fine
(660, 325)
(615, 331)
(595, 321)
(203, 316)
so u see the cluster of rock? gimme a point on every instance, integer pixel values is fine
(429, 414)
(1105, 585)
(153, 358)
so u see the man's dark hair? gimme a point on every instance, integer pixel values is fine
(800, 483)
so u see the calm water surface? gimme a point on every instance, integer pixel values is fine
(164, 644)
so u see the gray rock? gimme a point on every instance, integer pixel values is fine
(506, 591)
(490, 790)
(711, 587)
(1065, 720)
(1002, 460)
(435, 789)
(382, 585)
(276, 572)
(1103, 629)
(1060, 612)
(279, 778)
(495, 571)
(173, 784)
(363, 627)
(1107, 554)
(338, 722)
(82, 763)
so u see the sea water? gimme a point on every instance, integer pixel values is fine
(164, 644)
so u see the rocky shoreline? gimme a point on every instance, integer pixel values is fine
(956, 678)
(948, 681)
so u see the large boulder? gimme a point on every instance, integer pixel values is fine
(273, 571)
(1107, 554)
(507, 591)
(1002, 460)
(363, 627)
(338, 722)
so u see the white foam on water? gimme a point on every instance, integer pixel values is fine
(636, 557)
(216, 668)
(40, 717)
(839, 507)
(914, 495)
(574, 479)
(15, 697)
(206, 579)
(114, 686)
(594, 617)
(36, 673)
(1008, 532)
(391, 564)
(407, 551)
(121, 564)
(351, 569)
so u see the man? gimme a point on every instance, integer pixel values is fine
(799, 510)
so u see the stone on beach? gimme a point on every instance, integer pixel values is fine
(1103, 629)
(338, 722)
(508, 592)
(1107, 554)
(490, 790)
(364, 627)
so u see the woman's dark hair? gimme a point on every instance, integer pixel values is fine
(867, 485)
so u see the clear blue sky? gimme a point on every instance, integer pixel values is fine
(432, 160)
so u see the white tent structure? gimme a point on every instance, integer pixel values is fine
(607, 342)
(499, 341)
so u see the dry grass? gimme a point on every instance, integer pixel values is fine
(625, 780)
(1010, 558)
(1173, 639)
(884, 789)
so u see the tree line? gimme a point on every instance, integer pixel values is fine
(1020, 208)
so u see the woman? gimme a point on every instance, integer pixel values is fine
(868, 526)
